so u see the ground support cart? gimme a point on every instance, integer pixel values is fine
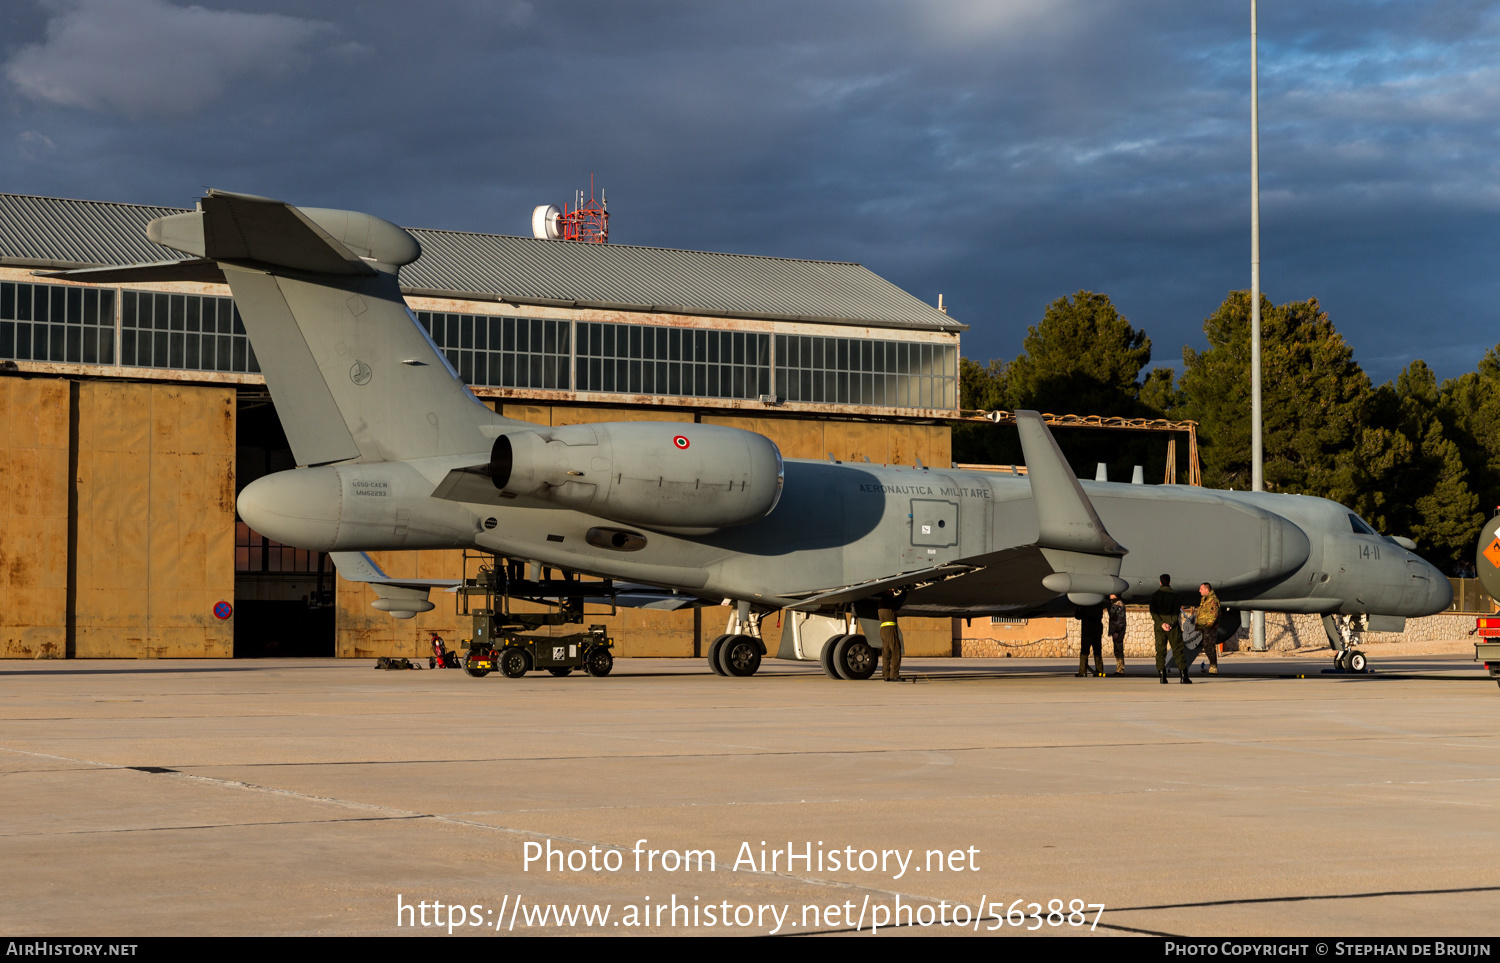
(515, 655)
(505, 636)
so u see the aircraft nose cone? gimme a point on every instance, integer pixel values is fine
(298, 508)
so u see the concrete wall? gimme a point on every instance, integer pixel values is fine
(33, 518)
(1059, 637)
(150, 547)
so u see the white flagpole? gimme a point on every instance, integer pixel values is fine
(1257, 466)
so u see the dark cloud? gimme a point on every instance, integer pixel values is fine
(1003, 154)
(142, 57)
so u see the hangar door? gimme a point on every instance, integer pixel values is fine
(283, 596)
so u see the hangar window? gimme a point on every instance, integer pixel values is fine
(189, 331)
(254, 552)
(502, 352)
(855, 371)
(686, 362)
(55, 322)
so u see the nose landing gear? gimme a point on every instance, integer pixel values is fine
(1344, 633)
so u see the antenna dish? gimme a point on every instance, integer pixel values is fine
(546, 222)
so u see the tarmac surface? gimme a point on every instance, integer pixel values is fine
(319, 797)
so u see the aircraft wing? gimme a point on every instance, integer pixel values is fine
(1073, 555)
(405, 597)
(631, 596)
(863, 590)
(360, 567)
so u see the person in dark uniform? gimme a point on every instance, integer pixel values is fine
(891, 643)
(1091, 619)
(1166, 623)
(1117, 631)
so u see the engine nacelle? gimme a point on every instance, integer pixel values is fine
(664, 475)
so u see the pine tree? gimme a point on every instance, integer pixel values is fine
(1314, 397)
(1448, 517)
(1083, 357)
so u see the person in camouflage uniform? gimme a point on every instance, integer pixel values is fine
(1117, 631)
(1166, 623)
(1208, 624)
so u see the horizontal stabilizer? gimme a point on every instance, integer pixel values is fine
(199, 269)
(242, 227)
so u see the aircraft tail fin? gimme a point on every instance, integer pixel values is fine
(352, 373)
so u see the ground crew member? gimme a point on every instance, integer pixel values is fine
(1208, 624)
(891, 642)
(1117, 631)
(1166, 623)
(1192, 639)
(1091, 619)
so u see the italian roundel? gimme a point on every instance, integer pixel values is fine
(681, 442)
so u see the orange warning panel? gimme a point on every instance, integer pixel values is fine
(1492, 553)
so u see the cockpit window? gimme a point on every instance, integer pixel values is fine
(1360, 528)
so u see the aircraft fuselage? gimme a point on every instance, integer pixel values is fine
(844, 524)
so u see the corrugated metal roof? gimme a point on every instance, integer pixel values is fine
(49, 231)
(61, 232)
(525, 269)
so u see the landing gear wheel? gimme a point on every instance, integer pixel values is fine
(1340, 662)
(739, 655)
(826, 656)
(598, 662)
(561, 671)
(514, 663)
(854, 658)
(713, 653)
(1355, 661)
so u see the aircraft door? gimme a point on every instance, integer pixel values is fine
(934, 523)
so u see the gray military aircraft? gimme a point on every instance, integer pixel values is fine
(399, 454)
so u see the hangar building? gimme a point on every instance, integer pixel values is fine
(132, 414)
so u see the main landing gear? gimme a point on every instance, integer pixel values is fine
(849, 657)
(735, 655)
(739, 650)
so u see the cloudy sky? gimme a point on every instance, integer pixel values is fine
(1001, 153)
